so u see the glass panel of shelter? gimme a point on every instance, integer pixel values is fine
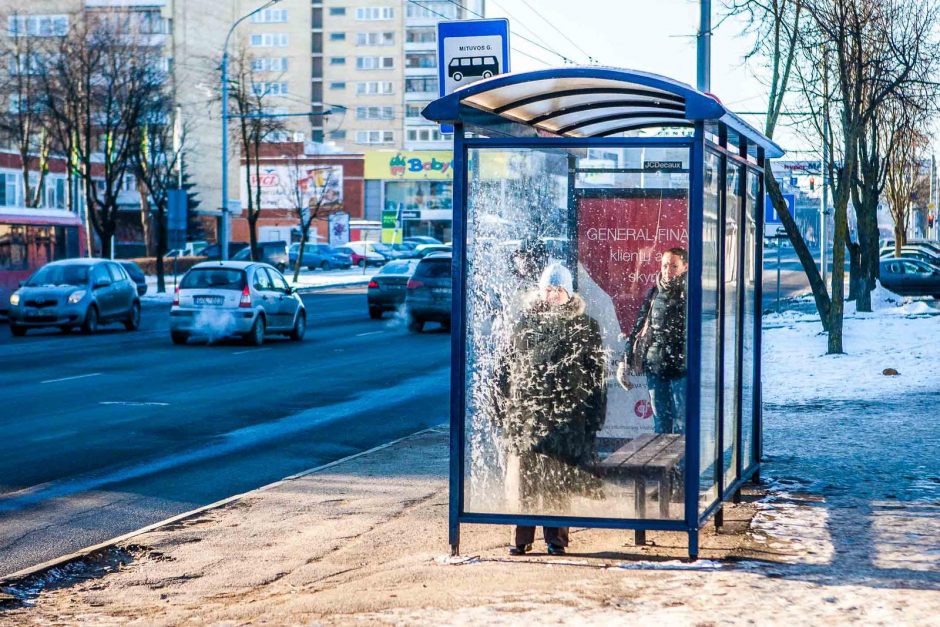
(708, 486)
(748, 344)
(730, 319)
(576, 331)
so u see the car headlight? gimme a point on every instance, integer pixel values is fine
(75, 297)
(14, 299)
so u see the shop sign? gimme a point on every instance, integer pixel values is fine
(292, 187)
(409, 165)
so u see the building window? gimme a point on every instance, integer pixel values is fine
(375, 13)
(421, 36)
(269, 64)
(337, 60)
(270, 16)
(424, 135)
(337, 36)
(375, 137)
(269, 40)
(375, 39)
(270, 88)
(38, 25)
(338, 85)
(375, 113)
(9, 188)
(413, 110)
(337, 10)
(421, 84)
(338, 135)
(433, 10)
(375, 63)
(372, 88)
(421, 59)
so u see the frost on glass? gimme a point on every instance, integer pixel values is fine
(733, 183)
(747, 340)
(708, 488)
(546, 415)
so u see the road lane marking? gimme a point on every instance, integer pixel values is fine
(136, 403)
(79, 376)
(369, 333)
(251, 350)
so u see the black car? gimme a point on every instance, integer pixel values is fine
(272, 253)
(387, 288)
(910, 277)
(428, 293)
(137, 276)
(213, 252)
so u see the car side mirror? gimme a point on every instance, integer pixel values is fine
(101, 283)
(289, 290)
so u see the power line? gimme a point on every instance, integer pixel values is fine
(518, 22)
(556, 29)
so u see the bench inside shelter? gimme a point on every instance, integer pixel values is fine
(648, 457)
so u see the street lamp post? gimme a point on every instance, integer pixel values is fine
(224, 230)
(704, 47)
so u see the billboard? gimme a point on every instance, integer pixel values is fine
(293, 186)
(410, 165)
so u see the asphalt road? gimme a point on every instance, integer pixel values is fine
(107, 434)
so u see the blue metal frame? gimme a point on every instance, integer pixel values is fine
(705, 113)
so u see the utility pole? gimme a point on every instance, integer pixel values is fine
(824, 201)
(704, 47)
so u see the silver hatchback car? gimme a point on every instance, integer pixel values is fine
(220, 299)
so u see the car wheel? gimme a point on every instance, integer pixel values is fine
(90, 325)
(415, 325)
(458, 76)
(300, 326)
(375, 313)
(133, 318)
(179, 337)
(362, 263)
(324, 265)
(487, 74)
(17, 330)
(255, 337)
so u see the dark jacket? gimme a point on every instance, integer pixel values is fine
(552, 383)
(665, 308)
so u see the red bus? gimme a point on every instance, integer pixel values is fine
(31, 238)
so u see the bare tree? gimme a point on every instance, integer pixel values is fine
(23, 111)
(313, 192)
(904, 178)
(250, 97)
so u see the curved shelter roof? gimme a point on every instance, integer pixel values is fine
(590, 102)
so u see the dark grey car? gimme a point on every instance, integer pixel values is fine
(428, 293)
(387, 288)
(75, 293)
(910, 277)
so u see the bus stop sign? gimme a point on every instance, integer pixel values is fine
(468, 51)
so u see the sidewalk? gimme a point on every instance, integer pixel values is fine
(308, 280)
(846, 530)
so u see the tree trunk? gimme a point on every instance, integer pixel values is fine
(900, 239)
(300, 254)
(856, 278)
(823, 303)
(839, 240)
(146, 218)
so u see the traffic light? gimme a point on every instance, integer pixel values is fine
(812, 183)
(930, 220)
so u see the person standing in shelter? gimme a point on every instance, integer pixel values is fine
(656, 346)
(552, 402)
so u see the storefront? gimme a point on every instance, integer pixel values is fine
(416, 185)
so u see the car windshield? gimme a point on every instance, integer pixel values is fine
(60, 275)
(433, 268)
(381, 248)
(397, 267)
(133, 269)
(213, 278)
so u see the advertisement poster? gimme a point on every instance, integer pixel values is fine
(620, 246)
(289, 187)
(386, 165)
(339, 228)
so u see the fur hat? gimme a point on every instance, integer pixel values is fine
(557, 275)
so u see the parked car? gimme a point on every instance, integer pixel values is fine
(910, 277)
(212, 252)
(137, 275)
(423, 250)
(75, 293)
(917, 251)
(320, 256)
(888, 244)
(363, 254)
(428, 293)
(421, 239)
(390, 252)
(273, 253)
(387, 288)
(406, 250)
(235, 298)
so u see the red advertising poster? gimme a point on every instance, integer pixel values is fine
(620, 246)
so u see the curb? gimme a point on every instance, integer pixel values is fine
(38, 569)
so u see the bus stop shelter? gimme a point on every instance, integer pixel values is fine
(610, 174)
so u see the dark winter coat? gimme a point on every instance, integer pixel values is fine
(552, 383)
(665, 308)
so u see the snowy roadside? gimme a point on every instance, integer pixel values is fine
(308, 280)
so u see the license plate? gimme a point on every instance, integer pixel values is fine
(208, 300)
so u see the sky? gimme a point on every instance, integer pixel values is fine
(651, 35)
